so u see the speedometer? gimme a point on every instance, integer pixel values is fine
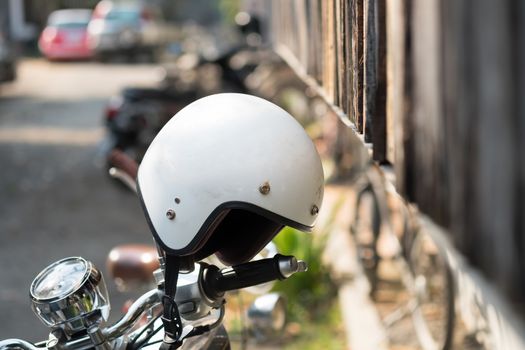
(71, 294)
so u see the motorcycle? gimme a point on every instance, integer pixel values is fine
(70, 297)
(136, 115)
(133, 118)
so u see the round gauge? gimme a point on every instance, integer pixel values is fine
(70, 293)
(60, 279)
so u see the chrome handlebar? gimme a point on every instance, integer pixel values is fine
(17, 344)
(141, 305)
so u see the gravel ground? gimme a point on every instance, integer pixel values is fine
(55, 201)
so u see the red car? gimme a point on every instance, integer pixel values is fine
(65, 36)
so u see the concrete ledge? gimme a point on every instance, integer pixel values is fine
(363, 326)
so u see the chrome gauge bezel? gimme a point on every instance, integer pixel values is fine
(44, 273)
(83, 303)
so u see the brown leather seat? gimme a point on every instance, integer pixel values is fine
(133, 264)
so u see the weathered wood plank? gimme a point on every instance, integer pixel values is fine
(369, 67)
(347, 107)
(302, 32)
(494, 168)
(315, 63)
(397, 30)
(459, 102)
(519, 210)
(331, 66)
(379, 127)
(325, 46)
(481, 118)
(357, 62)
(340, 52)
(429, 185)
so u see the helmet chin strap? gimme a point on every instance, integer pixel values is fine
(171, 317)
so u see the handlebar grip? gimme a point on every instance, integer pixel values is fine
(280, 267)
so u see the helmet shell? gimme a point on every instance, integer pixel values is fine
(222, 152)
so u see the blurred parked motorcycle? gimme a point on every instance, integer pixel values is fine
(134, 117)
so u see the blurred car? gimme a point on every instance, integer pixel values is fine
(65, 35)
(7, 59)
(124, 29)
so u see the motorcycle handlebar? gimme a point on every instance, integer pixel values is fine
(280, 267)
(215, 282)
(17, 344)
(138, 308)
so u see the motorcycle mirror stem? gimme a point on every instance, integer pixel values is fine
(124, 168)
(123, 177)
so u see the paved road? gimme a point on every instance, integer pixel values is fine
(54, 201)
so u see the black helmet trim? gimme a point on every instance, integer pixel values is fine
(203, 233)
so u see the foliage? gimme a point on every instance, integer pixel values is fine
(326, 333)
(228, 9)
(308, 294)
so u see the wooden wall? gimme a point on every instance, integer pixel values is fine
(438, 88)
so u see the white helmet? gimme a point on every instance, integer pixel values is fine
(224, 176)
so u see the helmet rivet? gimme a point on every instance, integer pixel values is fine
(315, 210)
(177, 200)
(170, 214)
(265, 188)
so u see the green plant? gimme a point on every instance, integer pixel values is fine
(308, 294)
(327, 333)
(228, 9)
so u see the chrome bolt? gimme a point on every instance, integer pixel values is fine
(170, 214)
(265, 188)
(315, 210)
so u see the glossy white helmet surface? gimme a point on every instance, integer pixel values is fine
(228, 151)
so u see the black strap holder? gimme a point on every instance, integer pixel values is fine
(170, 317)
